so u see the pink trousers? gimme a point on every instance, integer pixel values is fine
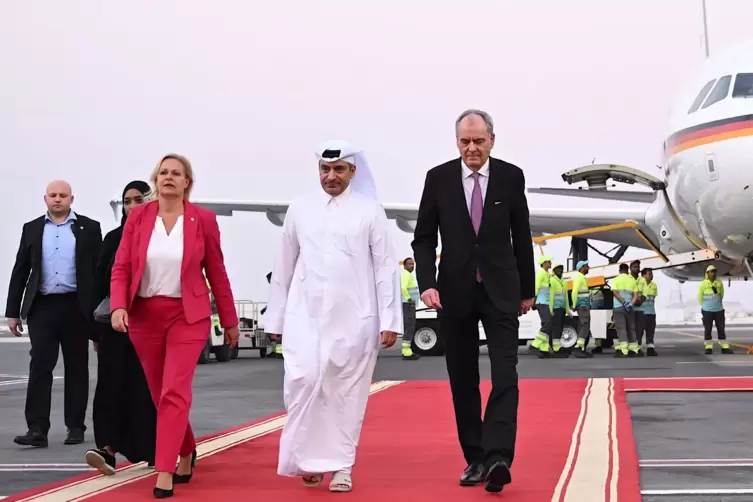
(168, 348)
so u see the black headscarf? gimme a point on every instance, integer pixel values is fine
(112, 241)
(141, 186)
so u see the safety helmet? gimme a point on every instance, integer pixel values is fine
(544, 259)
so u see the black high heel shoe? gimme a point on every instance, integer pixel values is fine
(162, 493)
(180, 479)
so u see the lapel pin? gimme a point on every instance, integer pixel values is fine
(192, 218)
(81, 228)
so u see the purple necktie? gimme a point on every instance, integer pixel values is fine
(477, 207)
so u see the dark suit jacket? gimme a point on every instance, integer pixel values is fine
(502, 251)
(24, 279)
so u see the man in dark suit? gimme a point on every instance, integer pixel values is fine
(486, 273)
(54, 275)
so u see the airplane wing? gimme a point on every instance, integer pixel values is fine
(403, 214)
(543, 221)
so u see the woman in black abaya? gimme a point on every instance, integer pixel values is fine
(125, 419)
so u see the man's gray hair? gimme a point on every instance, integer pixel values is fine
(484, 116)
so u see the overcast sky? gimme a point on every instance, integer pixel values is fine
(95, 92)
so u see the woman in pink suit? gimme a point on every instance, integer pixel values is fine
(160, 297)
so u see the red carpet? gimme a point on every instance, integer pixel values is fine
(575, 444)
(691, 384)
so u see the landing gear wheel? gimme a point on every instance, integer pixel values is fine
(428, 339)
(569, 337)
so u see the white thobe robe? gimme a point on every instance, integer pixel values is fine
(335, 286)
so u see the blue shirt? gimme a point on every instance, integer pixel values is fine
(58, 257)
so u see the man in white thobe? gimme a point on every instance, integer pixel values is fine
(334, 295)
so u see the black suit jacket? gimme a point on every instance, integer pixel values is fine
(27, 270)
(502, 251)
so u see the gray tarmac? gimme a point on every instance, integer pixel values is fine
(670, 429)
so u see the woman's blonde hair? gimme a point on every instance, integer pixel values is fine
(186, 168)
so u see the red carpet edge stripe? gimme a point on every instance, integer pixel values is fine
(560, 490)
(628, 484)
(689, 384)
(602, 465)
(614, 452)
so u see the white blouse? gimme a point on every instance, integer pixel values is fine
(164, 258)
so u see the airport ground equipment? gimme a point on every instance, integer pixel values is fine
(251, 334)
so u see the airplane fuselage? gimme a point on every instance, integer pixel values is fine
(708, 166)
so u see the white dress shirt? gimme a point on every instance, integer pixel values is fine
(164, 259)
(468, 182)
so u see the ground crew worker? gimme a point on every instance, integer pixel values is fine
(625, 292)
(648, 307)
(635, 271)
(213, 305)
(215, 316)
(409, 289)
(559, 307)
(581, 298)
(275, 343)
(710, 296)
(541, 342)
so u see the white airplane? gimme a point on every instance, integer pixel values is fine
(705, 200)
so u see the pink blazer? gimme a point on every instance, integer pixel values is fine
(201, 252)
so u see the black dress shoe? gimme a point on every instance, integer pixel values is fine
(181, 479)
(473, 475)
(497, 477)
(33, 438)
(75, 436)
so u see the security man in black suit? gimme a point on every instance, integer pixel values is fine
(486, 273)
(52, 287)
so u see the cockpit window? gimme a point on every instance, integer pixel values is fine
(721, 90)
(699, 99)
(743, 86)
